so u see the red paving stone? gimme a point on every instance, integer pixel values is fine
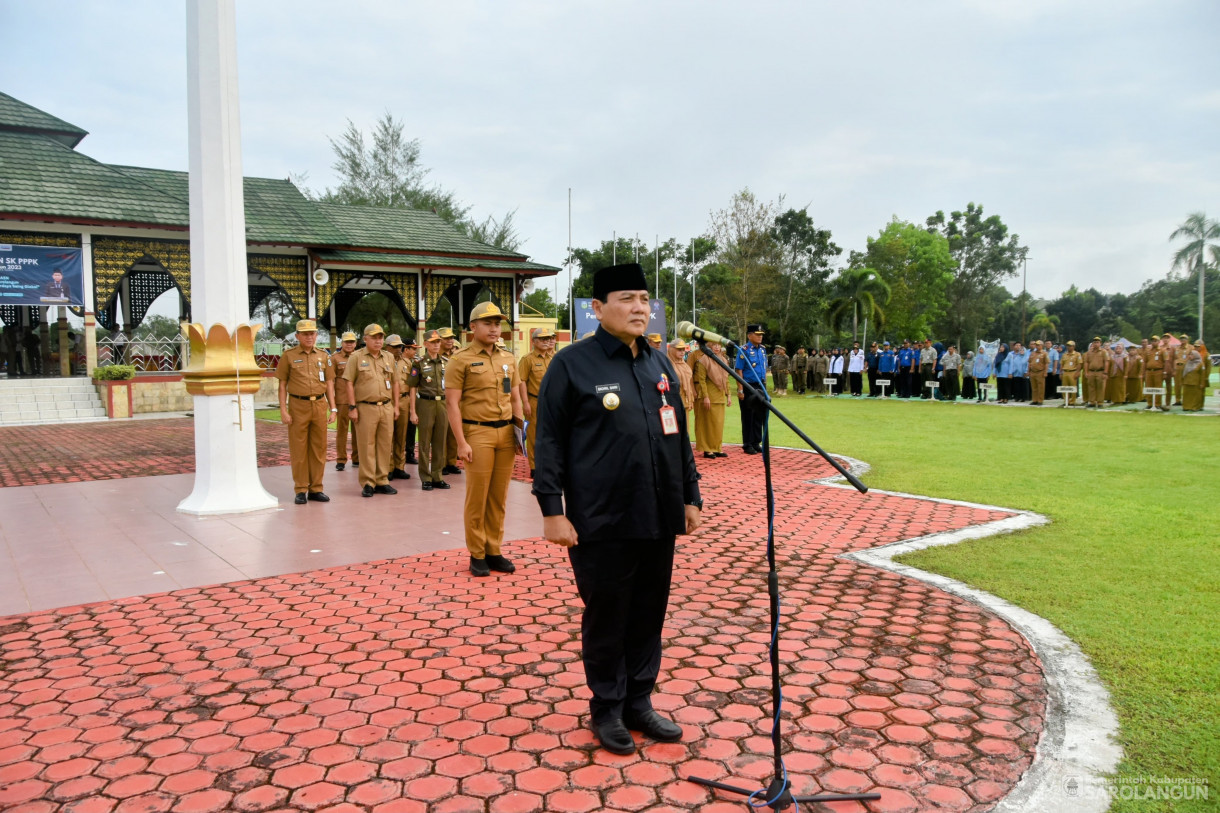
(404, 685)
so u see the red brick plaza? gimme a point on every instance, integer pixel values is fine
(404, 686)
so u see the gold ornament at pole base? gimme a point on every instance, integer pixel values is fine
(222, 363)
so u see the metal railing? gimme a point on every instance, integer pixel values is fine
(169, 355)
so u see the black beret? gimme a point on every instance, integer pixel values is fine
(627, 277)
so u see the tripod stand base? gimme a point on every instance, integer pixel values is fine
(778, 797)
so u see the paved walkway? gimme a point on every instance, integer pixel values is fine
(404, 685)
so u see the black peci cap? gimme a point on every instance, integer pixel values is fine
(627, 277)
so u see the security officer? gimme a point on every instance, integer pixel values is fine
(1154, 372)
(751, 365)
(307, 398)
(780, 365)
(402, 449)
(426, 398)
(613, 444)
(530, 370)
(800, 370)
(1071, 364)
(1038, 365)
(343, 424)
(449, 346)
(908, 359)
(887, 368)
(1096, 368)
(372, 390)
(483, 403)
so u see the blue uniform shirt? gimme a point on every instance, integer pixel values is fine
(1020, 363)
(752, 364)
(906, 357)
(1052, 361)
(887, 362)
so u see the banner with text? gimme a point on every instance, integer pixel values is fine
(40, 275)
(586, 322)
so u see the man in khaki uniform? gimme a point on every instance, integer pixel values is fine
(307, 397)
(1154, 372)
(402, 449)
(655, 340)
(530, 370)
(449, 346)
(343, 424)
(1171, 355)
(1038, 361)
(372, 389)
(1134, 370)
(483, 403)
(1071, 364)
(426, 396)
(1096, 367)
(1179, 363)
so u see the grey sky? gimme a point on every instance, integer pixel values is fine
(1090, 127)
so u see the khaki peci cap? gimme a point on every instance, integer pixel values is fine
(446, 333)
(678, 344)
(1097, 338)
(542, 333)
(373, 329)
(487, 310)
(394, 340)
(307, 326)
(349, 336)
(654, 337)
(1166, 335)
(1071, 344)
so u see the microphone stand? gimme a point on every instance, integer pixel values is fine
(777, 795)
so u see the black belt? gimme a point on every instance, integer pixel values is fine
(492, 424)
(376, 403)
(430, 397)
(308, 397)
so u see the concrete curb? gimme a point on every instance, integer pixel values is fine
(1079, 743)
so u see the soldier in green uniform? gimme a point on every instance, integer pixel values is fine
(427, 404)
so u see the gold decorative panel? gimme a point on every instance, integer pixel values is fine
(326, 293)
(290, 273)
(35, 238)
(114, 256)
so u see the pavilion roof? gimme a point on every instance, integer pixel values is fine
(17, 116)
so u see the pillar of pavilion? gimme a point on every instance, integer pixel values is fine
(222, 375)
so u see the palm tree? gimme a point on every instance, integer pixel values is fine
(862, 293)
(1045, 323)
(1201, 235)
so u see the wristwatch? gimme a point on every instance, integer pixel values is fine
(697, 503)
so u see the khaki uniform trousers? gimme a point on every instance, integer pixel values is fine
(487, 478)
(709, 426)
(1178, 387)
(1155, 378)
(1167, 381)
(307, 442)
(404, 437)
(375, 432)
(1071, 380)
(1037, 383)
(433, 421)
(532, 431)
(343, 427)
(1135, 390)
(450, 446)
(1094, 388)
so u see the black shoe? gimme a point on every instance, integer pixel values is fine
(318, 496)
(367, 491)
(753, 450)
(300, 500)
(710, 455)
(412, 461)
(385, 489)
(478, 567)
(721, 454)
(355, 464)
(500, 564)
(439, 484)
(653, 725)
(399, 474)
(340, 466)
(531, 474)
(615, 737)
(426, 485)
(451, 470)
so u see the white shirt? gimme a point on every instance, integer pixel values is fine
(855, 364)
(836, 365)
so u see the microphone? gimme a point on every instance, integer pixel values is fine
(686, 330)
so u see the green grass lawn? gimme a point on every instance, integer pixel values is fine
(1129, 567)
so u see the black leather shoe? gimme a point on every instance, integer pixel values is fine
(340, 466)
(709, 455)
(318, 496)
(399, 474)
(721, 454)
(653, 725)
(411, 461)
(615, 737)
(500, 564)
(439, 484)
(367, 491)
(750, 450)
(300, 500)
(385, 489)
(478, 567)
(426, 485)
(451, 470)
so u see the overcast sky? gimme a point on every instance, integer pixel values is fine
(1089, 127)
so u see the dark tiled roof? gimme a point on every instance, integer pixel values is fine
(17, 116)
(432, 261)
(405, 229)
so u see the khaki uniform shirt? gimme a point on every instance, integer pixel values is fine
(428, 376)
(1071, 362)
(531, 369)
(1155, 359)
(686, 383)
(1095, 361)
(480, 375)
(339, 361)
(1135, 366)
(305, 373)
(1038, 362)
(371, 377)
(402, 368)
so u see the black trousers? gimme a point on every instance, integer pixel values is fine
(873, 391)
(753, 413)
(857, 382)
(625, 587)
